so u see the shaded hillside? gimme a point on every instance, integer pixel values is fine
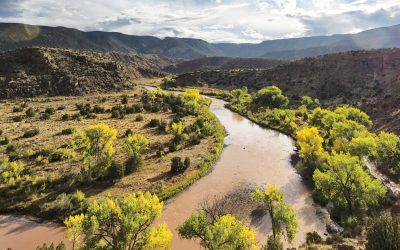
(31, 72)
(367, 79)
(21, 35)
(214, 63)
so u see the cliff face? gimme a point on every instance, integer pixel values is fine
(30, 72)
(367, 79)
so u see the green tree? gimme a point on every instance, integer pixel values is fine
(225, 232)
(135, 144)
(283, 217)
(383, 232)
(388, 152)
(354, 114)
(271, 97)
(123, 224)
(96, 146)
(344, 181)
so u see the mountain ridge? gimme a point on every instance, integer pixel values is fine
(16, 35)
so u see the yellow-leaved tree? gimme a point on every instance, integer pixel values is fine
(123, 224)
(96, 147)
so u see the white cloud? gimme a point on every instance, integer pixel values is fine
(211, 20)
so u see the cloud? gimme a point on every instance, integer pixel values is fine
(211, 20)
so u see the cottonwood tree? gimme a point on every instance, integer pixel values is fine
(123, 224)
(135, 144)
(96, 147)
(74, 225)
(224, 232)
(345, 182)
(283, 217)
(271, 97)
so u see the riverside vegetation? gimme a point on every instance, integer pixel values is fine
(60, 154)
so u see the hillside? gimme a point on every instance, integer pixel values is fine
(214, 63)
(22, 35)
(31, 72)
(367, 79)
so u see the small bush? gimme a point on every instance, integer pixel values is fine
(91, 116)
(116, 171)
(62, 107)
(17, 109)
(177, 166)
(77, 116)
(12, 147)
(28, 153)
(60, 246)
(173, 147)
(187, 162)
(5, 141)
(30, 112)
(133, 163)
(160, 153)
(78, 197)
(66, 117)
(139, 118)
(273, 243)
(45, 116)
(128, 132)
(50, 111)
(124, 99)
(154, 123)
(31, 133)
(61, 154)
(162, 127)
(68, 131)
(17, 118)
(313, 238)
(98, 110)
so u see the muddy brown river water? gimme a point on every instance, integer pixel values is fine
(252, 156)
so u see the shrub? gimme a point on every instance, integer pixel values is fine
(186, 163)
(30, 112)
(45, 116)
(160, 153)
(68, 131)
(28, 153)
(384, 233)
(154, 123)
(116, 171)
(271, 97)
(313, 238)
(173, 147)
(62, 107)
(61, 154)
(31, 133)
(12, 148)
(78, 197)
(60, 246)
(124, 99)
(177, 166)
(98, 110)
(128, 132)
(133, 163)
(5, 141)
(77, 116)
(17, 109)
(139, 118)
(273, 243)
(17, 118)
(65, 117)
(49, 111)
(162, 127)
(91, 116)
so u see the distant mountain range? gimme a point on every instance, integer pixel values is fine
(13, 35)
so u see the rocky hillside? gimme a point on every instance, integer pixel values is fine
(32, 72)
(15, 35)
(367, 79)
(215, 63)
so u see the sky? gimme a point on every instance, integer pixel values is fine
(250, 21)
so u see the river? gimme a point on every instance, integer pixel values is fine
(252, 156)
